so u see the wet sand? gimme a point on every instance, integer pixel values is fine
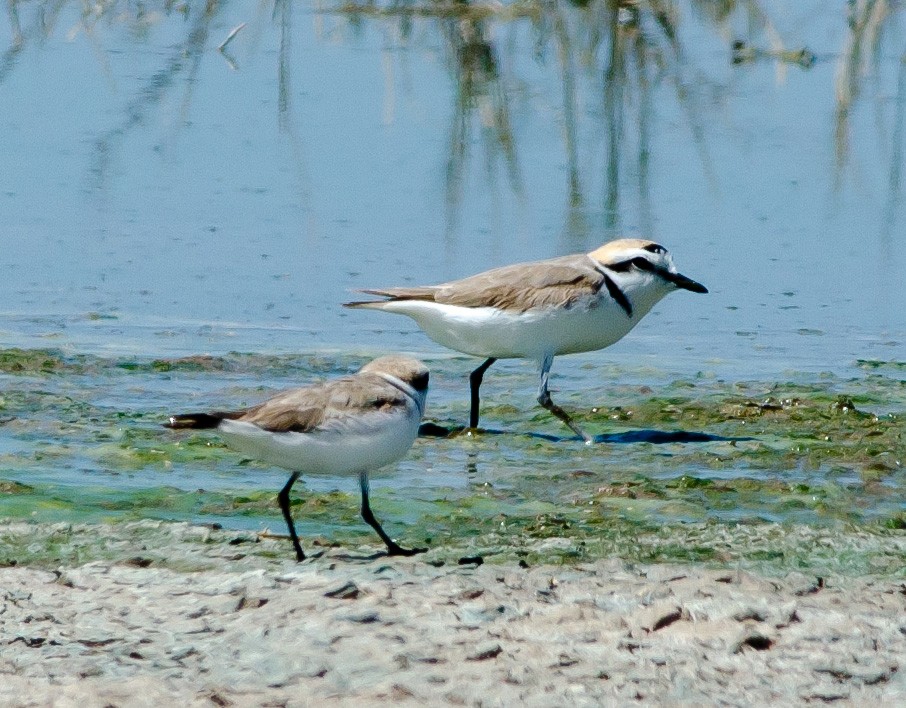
(349, 628)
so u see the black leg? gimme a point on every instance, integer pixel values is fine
(475, 379)
(392, 548)
(544, 398)
(283, 498)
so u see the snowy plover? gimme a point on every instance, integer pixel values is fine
(345, 426)
(537, 310)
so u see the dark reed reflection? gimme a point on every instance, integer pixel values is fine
(179, 71)
(481, 100)
(614, 61)
(17, 38)
(871, 34)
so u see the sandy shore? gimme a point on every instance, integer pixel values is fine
(347, 629)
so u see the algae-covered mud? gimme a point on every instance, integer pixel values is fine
(800, 473)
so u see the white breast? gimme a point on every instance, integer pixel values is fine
(489, 332)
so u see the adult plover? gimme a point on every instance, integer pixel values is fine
(344, 426)
(538, 310)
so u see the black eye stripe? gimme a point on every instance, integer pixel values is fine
(638, 262)
(620, 267)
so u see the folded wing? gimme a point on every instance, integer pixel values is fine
(558, 282)
(304, 410)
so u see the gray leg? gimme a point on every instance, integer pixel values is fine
(544, 398)
(392, 548)
(283, 498)
(475, 379)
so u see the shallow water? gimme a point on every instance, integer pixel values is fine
(82, 441)
(161, 198)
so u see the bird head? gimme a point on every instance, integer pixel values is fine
(636, 265)
(413, 373)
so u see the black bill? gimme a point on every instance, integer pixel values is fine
(681, 281)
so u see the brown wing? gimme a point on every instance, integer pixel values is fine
(304, 409)
(558, 282)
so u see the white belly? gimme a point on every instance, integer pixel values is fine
(347, 447)
(488, 332)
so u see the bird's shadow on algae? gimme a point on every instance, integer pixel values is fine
(657, 437)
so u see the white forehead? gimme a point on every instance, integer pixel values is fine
(625, 248)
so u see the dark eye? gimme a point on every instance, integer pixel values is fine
(420, 382)
(642, 263)
(655, 248)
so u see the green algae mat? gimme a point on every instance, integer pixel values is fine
(802, 473)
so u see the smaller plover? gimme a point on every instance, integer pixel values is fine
(538, 310)
(345, 426)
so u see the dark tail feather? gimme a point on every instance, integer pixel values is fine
(197, 421)
(393, 295)
(366, 304)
